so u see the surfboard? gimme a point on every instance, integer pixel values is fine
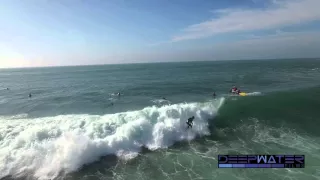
(242, 94)
(246, 94)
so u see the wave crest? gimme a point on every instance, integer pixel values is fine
(47, 146)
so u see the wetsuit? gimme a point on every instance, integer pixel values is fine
(190, 122)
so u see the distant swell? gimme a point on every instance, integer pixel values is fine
(44, 147)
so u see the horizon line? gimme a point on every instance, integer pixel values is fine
(155, 62)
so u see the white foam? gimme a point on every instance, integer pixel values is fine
(18, 116)
(253, 93)
(46, 146)
(115, 94)
(160, 101)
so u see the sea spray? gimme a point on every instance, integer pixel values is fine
(46, 146)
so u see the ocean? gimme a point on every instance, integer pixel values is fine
(75, 127)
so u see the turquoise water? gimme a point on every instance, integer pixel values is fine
(75, 126)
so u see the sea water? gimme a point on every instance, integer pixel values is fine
(75, 126)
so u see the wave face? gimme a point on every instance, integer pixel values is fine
(45, 147)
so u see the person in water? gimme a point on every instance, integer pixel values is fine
(190, 122)
(214, 95)
(235, 90)
(30, 95)
(164, 98)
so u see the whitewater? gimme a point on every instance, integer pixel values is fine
(48, 146)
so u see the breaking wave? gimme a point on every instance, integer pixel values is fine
(45, 147)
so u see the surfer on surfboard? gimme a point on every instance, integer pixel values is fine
(235, 90)
(190, 122)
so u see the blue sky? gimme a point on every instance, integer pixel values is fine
(78, 32)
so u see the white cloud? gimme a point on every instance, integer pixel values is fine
(278, 45)
(280, 14)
